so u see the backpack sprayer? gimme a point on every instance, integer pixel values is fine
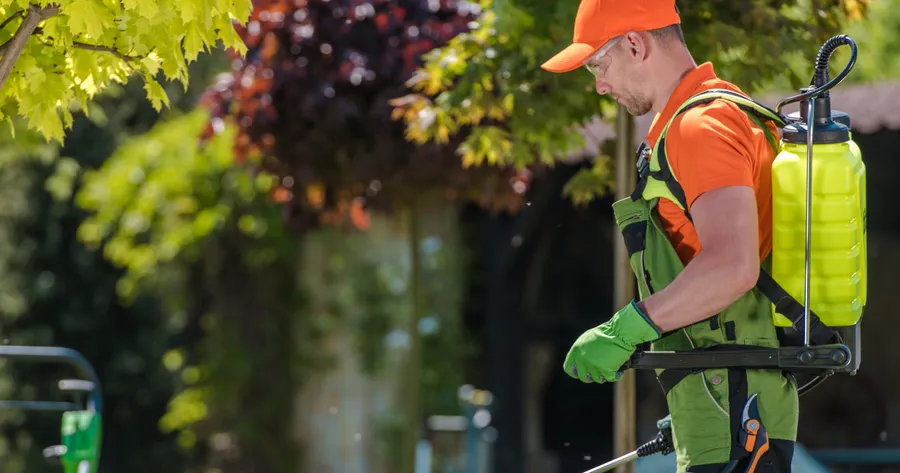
(79, 450)
(818, 178)
(839, 265)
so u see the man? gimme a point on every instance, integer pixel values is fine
(711, 191)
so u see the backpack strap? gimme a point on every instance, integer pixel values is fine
(657, 180)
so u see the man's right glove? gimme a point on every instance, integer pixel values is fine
(598, 353)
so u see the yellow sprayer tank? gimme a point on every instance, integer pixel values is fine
(838, 220)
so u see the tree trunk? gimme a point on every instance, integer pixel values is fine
(625, 411)
(251, 349)
(414, 365)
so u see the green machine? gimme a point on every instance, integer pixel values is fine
(81, 427)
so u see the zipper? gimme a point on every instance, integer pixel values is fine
(629, 218)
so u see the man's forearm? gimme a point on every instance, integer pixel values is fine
(707, 285)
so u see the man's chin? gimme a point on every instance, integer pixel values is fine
(631, 108)
(637, 112)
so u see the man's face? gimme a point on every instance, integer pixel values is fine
(617, 73)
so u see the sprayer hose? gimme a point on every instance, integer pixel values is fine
(824, 57)
(820, 84)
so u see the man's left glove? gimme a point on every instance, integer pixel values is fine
(597, 354)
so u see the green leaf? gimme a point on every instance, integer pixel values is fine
(91, 44)
(160, 195)
(189, 11)
(61, 183)
(228, 35)
(88, 17)
(155, 93)
(193, 42)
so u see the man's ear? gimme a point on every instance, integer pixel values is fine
(636, 45)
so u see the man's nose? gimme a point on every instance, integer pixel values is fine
(602, 87)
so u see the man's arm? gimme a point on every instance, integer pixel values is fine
(725, 269)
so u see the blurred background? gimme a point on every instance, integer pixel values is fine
(366, 244)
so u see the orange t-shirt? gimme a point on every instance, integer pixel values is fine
(710, 146)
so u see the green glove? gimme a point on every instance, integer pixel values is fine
(598, 353)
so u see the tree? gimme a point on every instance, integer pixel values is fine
(59, 53)
(485, 87)
(311, 100)
(302, 120)
(877, 37)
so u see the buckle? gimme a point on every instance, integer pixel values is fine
(643, 161)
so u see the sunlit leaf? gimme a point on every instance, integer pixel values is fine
(87, 45)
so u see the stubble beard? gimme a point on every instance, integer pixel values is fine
(637, 105)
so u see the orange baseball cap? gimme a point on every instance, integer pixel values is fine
(599, 21)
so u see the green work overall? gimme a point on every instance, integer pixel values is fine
(706, 405)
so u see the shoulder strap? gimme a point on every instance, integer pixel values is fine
(656, 178)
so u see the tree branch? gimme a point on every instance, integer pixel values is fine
(13, 17)
(109, 49)
(12, 49)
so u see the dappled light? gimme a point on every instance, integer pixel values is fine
(376, 236)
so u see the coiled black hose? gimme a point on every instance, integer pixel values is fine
(824, 57)
(820, 85)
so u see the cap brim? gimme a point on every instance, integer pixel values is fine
(572, 57)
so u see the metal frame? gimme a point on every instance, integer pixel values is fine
(60, 355)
